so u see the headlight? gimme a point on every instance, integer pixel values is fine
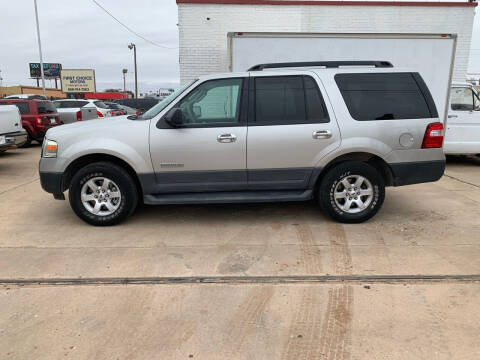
(50, 148)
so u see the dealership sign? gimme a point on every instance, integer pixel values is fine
(77, 80)
(50, 70)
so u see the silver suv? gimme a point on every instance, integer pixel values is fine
(337, 132)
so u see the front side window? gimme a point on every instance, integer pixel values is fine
(212, 102)
(384, 96)
(156, 107)
(463, 99)
(288, 100)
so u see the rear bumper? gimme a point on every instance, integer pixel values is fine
(417, 172)
(52, 183)
(13, 139)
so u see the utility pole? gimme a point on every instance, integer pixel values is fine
(124, 71)
(132, 46)
(40, 49)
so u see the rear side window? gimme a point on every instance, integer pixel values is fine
(386, 96)
(287, 100)
(70, 104)
(24, 107)
(46, 107)
(101, 104)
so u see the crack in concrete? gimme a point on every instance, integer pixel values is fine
(18, 186)
(226, 280)
(462, 181)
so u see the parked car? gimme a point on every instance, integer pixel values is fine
(37, 117)
(338, 134)
(72, 110)
(128, 110)
(141, 105)
(462, 136)
(102, 109)
(11, 132)
(116, 109)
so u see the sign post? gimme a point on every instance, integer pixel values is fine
(40, 49)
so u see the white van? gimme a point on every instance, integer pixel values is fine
(11, 132)
(462, 135)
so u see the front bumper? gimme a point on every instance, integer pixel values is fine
(53, 183)
(417, 172)
(12, 140)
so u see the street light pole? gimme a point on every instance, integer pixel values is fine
(40, 49)
(132, 46)
(124, 71)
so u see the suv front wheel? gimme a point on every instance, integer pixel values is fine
(103, 194)
(352, 192)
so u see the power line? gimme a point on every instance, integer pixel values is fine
(130, 30)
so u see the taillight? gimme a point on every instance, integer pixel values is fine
(79, 116)
(38, 120)
(433, 136)
(99, 114)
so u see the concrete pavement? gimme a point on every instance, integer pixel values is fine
(427, 229)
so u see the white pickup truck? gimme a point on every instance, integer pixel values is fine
(73, 110)
(462, 135)
(11, 132)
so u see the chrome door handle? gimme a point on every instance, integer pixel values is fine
(226, 138)
(322, 134)
(452, 116)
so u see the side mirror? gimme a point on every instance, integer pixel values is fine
(174, 117)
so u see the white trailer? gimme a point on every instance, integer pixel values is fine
(432, 55)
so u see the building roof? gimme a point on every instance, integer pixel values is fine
(328, 2)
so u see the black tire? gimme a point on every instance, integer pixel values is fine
(27, 143)
(335, 175)
(126, 185)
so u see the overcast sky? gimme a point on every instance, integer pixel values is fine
(78, 34)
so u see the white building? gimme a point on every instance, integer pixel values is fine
(204, 25)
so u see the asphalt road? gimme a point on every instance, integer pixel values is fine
(263, 281)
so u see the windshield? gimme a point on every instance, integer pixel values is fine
(164, 103)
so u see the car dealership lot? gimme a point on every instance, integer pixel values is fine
(432, 231)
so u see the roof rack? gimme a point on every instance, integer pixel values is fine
(327, 64)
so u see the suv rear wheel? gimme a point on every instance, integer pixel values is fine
(352, 192)
(28, 142)
(103, 194)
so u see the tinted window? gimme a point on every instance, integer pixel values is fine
(382, 96)
(24, 107)
(212, 102)
(46, 107)
(70, 104)
(288, 100)
(316, 109)
(101, 104)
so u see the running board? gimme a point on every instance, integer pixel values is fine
(229, 197)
